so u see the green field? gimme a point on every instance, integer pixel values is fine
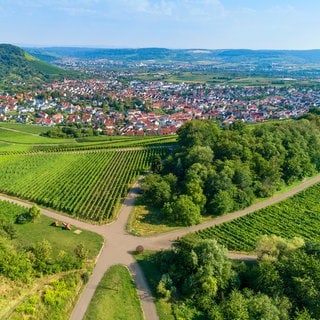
(28, 138)
(115, 298)
(41, 229)
(26, 128)
(298, 216)
(88, 185)
(50, 296)
(23, 138)
(86, 178)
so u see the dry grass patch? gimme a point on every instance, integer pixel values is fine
(144, 221)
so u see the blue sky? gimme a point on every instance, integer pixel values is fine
(212, 24)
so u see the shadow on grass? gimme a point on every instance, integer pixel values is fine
(155, 217)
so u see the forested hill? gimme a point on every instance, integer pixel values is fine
(196, 56)
(17, 66)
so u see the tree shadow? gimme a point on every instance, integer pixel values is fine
(155, 217)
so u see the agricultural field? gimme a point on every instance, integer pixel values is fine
(298, 216)
(26, 128)
(26, 138)
(87, 179)
(20, 137)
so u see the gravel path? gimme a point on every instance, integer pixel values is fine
(119, 245)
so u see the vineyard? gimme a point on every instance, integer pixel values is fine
(87, 184)
(298, 216)
(25, 139)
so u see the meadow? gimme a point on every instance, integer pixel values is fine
(118, 290)
(44, 296)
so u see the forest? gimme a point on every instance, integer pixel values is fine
(215, 170)
(200, 282)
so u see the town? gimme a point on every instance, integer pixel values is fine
(116, 107)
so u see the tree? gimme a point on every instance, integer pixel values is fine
(198, 133)
(270, 248)
(34, 213)
(235, 307)
(200, 270)
(199, 154)
(81, 252)
(41, 256)
(182, 211)
(221, 203)
(303, 315)
(260, 306)
(157, 190)
(156, 164)
(165, 286)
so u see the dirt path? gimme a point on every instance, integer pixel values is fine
(119, 245)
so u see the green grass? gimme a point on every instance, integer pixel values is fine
(23, 138)
(151, 272)
(11, 148)
(59, 238)
(41, 229)
(115, 298)
(49, 297)
(26, 138)
(26, 128)
(146, 222)
(46, 297)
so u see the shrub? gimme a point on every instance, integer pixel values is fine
(139, 249)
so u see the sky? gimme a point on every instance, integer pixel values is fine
(205, 24)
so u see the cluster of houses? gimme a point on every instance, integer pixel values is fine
(157, 108)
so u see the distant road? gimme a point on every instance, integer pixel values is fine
(119, 244)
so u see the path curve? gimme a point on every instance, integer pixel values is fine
(119, 245)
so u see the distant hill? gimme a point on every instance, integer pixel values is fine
(198, 56)
(18, 66)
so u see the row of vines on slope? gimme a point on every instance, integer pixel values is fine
(298, 216)
(87, 185)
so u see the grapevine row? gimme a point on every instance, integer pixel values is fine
(88, 185)
(298, 216)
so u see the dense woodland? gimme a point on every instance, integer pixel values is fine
(202, 283)
(217, 170)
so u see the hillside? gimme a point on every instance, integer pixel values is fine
(17, 66)
(162, 55)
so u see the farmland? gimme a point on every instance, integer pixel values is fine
(298, 216)
(85, 178)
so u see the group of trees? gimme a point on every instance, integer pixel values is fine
(216, 170)
(31, 215)
(19, 262)
(202, 283)
(70, 131)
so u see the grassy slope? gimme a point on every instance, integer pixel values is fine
(115, 298)
(25, 301)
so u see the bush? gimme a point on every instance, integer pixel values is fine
(23, 218)
(139, 249)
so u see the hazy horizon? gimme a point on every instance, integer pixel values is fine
(172, 24)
